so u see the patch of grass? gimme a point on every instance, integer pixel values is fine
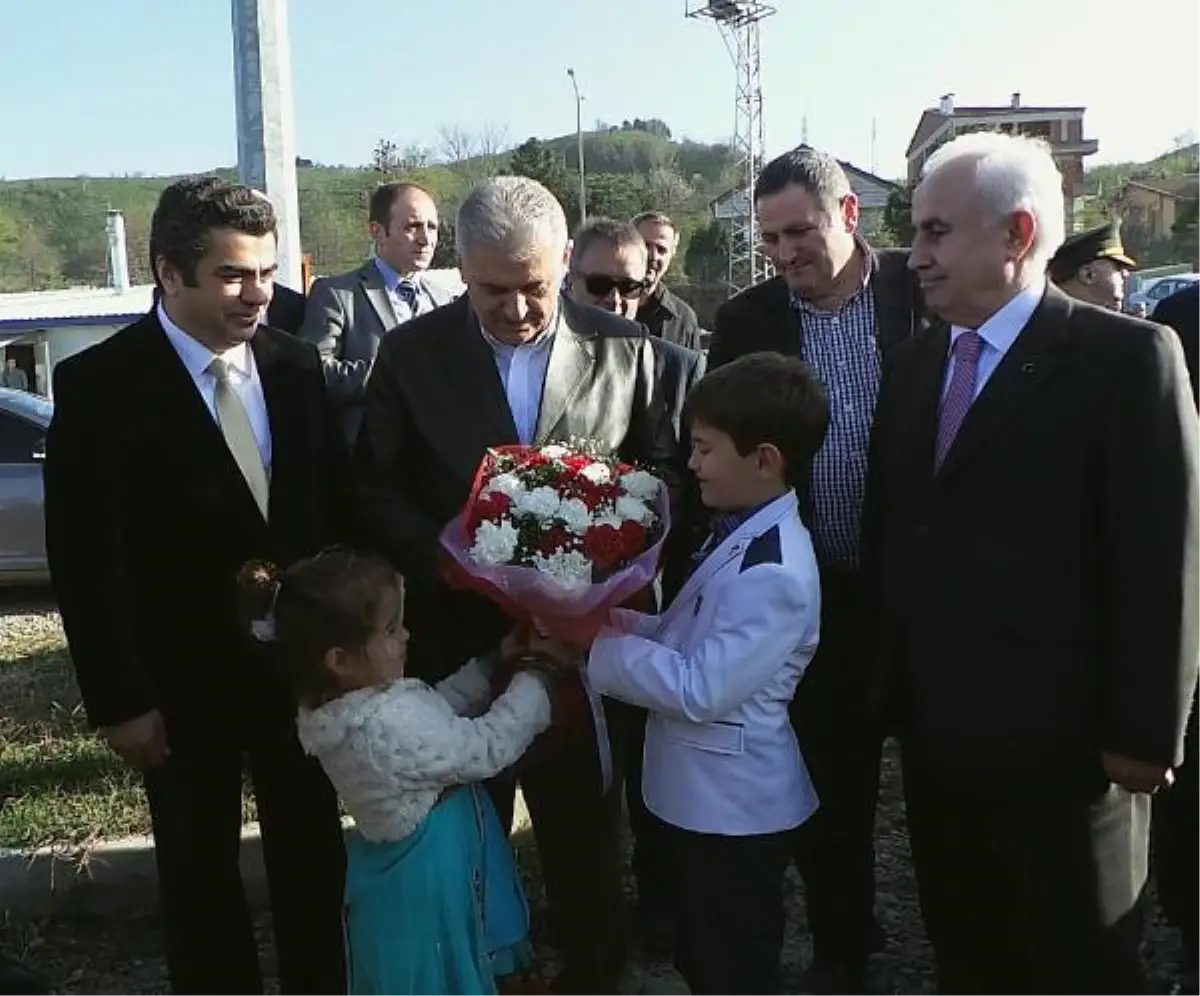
(60, 785)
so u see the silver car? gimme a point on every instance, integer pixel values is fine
(24, 419)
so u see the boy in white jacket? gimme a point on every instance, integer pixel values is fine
(718, 669)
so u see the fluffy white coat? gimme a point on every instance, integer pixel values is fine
(390, 751)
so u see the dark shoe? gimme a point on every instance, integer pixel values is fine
(16, 978)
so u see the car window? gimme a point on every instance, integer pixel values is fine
(18, 439)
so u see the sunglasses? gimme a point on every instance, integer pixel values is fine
(601, 285)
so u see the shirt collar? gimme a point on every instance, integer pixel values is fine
(1001, 330)
(391, 276)
(195, 355)
(662, 299)
(725, 524)
(868, 271)
(537, 342)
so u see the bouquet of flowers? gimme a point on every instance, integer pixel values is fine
(558, 536)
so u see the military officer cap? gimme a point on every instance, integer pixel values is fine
(1084, 247)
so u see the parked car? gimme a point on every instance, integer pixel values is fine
(1150, 292)
(24, 418)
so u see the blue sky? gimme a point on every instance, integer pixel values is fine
(125, 86)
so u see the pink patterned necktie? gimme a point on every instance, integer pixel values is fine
(959, 394)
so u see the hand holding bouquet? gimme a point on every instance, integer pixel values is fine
(558, 536)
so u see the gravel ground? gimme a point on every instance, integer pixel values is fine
(124, 955)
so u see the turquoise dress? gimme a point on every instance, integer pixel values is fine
(441, 911)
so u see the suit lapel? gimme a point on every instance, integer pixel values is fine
(1031, 360)
(378, 296)
(477, 393)
(919, 398)
(283, 427)
(895, 305)
(733, 547)
(173, 400)
(572, 356)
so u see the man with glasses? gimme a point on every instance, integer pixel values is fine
(608, 267)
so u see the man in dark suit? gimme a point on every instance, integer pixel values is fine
(1031, 542)
(219, 451)
(842, 307)
(286, 310)
(1177, 811)
(609, 265)
(513, 361)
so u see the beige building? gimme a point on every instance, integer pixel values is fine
(1061, 127)
(1153, 206)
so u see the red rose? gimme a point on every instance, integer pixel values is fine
(633, 538)
(489, 507)
(554, 539)
(576, 461)
(604, 545)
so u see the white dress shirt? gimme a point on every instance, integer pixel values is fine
(998, 334)
(196, 358)
(522, 371)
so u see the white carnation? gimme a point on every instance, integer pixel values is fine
(507, 484)
(542, 502)
(638, 484)
(570, 568)
(597, 473)
(575, 515)
(554, 451)
(495, 543)
(608, 518)
(630, 509)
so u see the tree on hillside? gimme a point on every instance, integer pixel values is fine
(474, 156)
(385, 157)
(535, 159)
(897, 219)
(706, 258)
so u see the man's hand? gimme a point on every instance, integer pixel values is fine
(141, 741)
(1137, 776)
(567, 652)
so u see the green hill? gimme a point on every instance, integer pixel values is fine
(52, 231)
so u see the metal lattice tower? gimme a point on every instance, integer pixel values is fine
(739, 22)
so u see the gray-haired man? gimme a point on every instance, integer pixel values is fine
(512, 361)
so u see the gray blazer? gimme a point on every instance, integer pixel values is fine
(345, 318)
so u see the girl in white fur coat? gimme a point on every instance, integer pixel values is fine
(433, 900)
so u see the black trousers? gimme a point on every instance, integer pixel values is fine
(842, 747)
(729, 912)
(576, 825)
(1177, 847)
(1029, 894)
(196, 810)
(650, 861)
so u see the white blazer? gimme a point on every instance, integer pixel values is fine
(717, 671)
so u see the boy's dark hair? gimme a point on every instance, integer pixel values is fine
(764, 398)
(379, 209)
(191, 208)
(327, 601)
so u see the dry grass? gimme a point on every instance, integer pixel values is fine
(60, 786)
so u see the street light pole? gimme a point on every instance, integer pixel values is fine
(579, 140)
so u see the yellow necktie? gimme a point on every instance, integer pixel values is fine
(239, 436)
